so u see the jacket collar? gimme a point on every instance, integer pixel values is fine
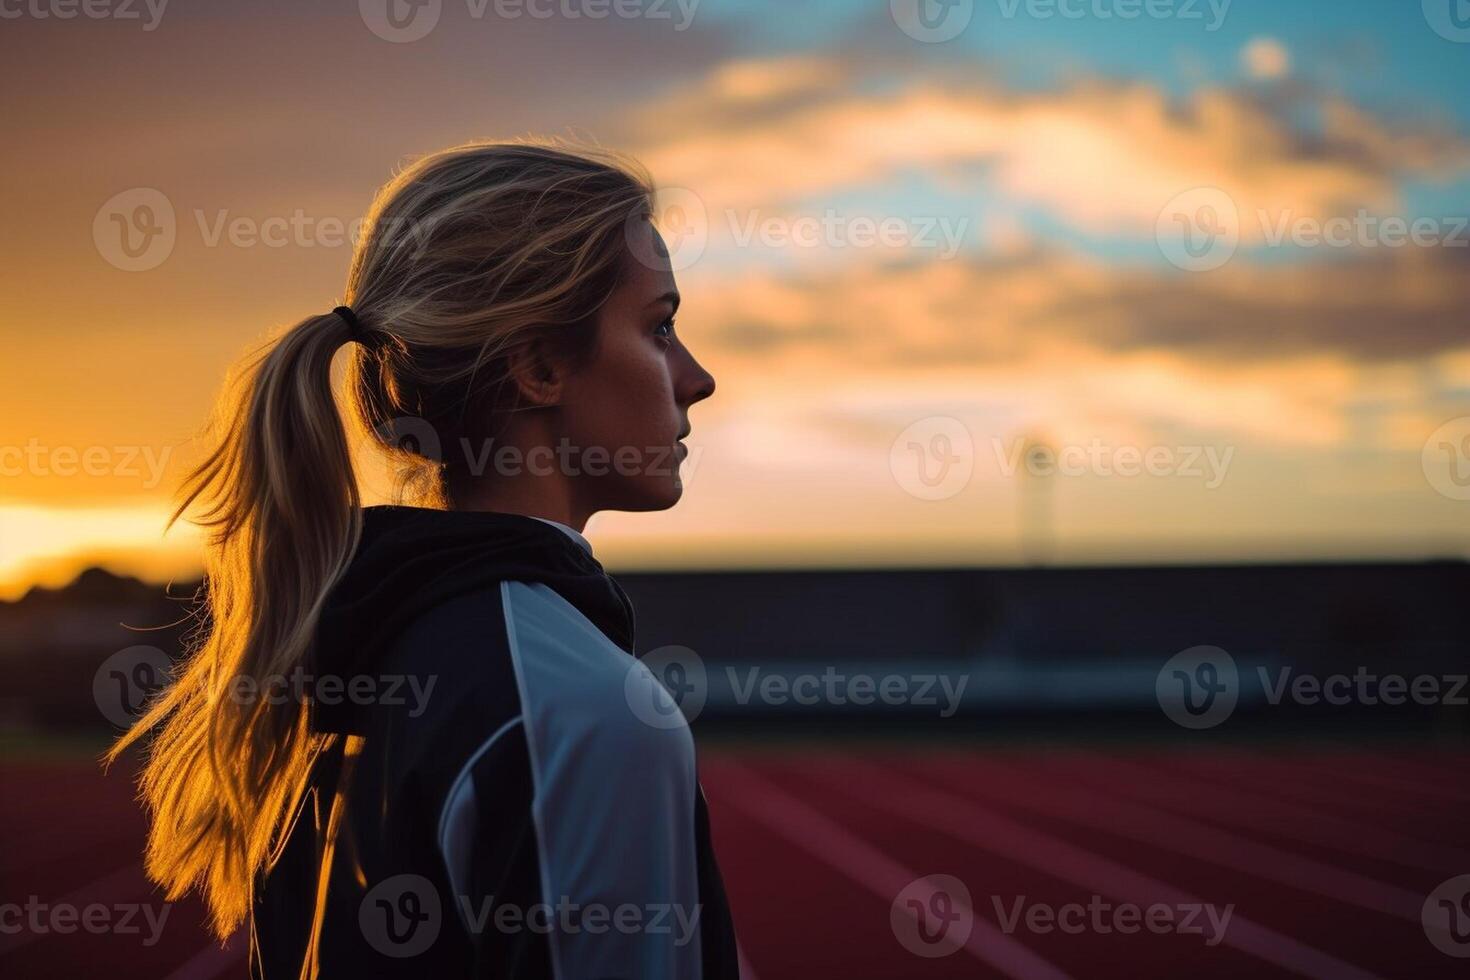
(411, 559)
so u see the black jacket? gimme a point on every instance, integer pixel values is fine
(493, 802)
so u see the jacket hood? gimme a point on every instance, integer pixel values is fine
(411, 559)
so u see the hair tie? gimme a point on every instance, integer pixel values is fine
(353, 324)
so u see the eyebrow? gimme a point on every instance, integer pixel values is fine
(671, 297)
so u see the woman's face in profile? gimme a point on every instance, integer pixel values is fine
(629, 406)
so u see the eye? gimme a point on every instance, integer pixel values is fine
(665, 330)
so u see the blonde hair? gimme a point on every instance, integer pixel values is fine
(465, 255)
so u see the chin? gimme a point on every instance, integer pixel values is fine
(660, 495)
(666, 496)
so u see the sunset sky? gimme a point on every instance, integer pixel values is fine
(1098, 232)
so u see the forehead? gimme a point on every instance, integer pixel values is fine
(647, 273)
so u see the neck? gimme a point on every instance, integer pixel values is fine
(513, 484)
(528, 497)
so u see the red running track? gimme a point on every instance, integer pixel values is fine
(1323, 860)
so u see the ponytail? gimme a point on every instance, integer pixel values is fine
(280, 501)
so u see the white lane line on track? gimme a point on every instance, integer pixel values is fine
(965, 820)
(1377, 779)
(1209, 844)
(212, 960)
(827, 840)
(1314, 786)
(747, 972)
(1246, 808)
(112, 887)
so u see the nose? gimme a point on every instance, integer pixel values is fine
(696, 384)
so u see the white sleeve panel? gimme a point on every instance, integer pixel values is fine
(614, 800)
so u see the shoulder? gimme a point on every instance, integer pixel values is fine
(519, 650)
(578, 687)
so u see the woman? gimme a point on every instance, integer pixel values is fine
(408, 740)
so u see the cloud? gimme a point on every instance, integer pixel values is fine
(1265, 58)
(1376, 306)
(1102, 157)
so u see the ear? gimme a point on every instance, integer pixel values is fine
(536, 374)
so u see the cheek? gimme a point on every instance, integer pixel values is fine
(625, 398)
